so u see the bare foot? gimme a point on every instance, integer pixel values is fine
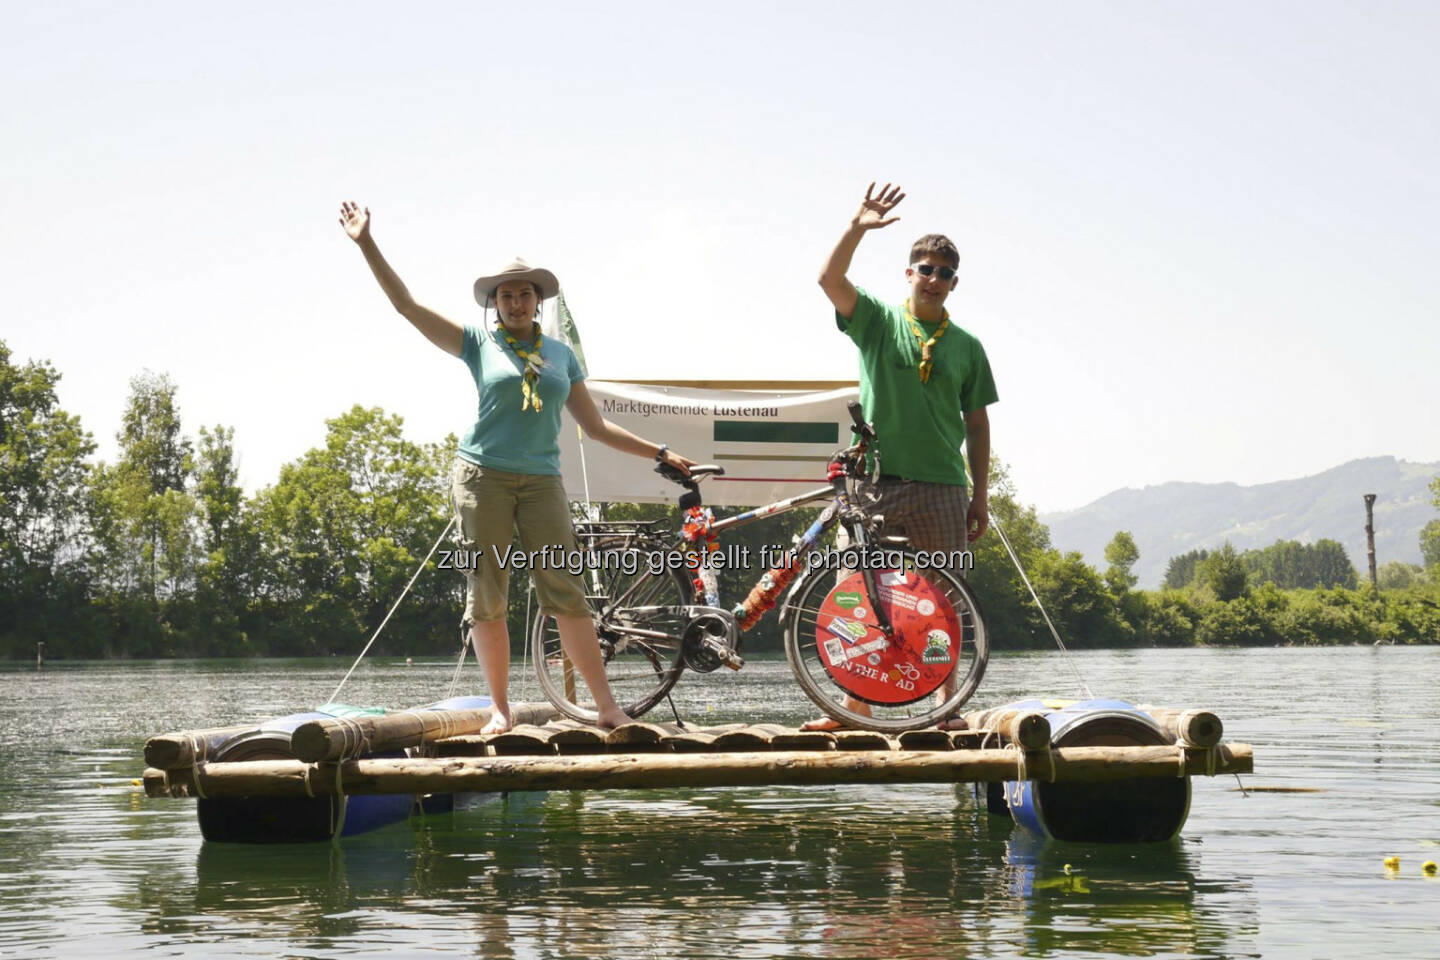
(954, 723)
(610, 719)
(499, 723)
(823, 723)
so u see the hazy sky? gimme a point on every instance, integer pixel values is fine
(1198, 239)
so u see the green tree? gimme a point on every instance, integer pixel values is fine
(42, 510)
(141, 502)
(1430, 535)
(1430, 545)
(1121, 554)
(1083, 610)
(144, 520)
(1223, 571)
(229, 544)
(1182, 570)
(1292, 565)
(343, 529)
(1399, 575)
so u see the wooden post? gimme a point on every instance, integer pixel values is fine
(170, 751)
(420, 775)
(331, 739)
(1028, 728)
(1370, 538)
(1193, 728)
(40, 655)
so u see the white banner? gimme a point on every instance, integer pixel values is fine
(773, 439)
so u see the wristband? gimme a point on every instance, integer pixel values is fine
(660, 454)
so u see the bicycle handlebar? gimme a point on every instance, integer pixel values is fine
(697, 473)
(858, 416)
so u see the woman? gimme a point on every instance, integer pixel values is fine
(507, 470)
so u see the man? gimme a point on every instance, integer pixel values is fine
(924, 384)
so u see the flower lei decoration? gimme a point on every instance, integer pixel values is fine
(534, 363)
(926, 364)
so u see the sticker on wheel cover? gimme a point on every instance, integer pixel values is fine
(879, 672)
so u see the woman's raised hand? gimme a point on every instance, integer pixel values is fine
(355, 220)
(874, 210)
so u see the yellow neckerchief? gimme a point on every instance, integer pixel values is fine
(534, 363)
(925, 345)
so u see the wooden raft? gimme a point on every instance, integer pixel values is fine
(565, 755)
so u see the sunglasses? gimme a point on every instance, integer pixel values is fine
(926, 269)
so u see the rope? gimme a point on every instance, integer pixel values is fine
(195, 763)
(1053, 632)
(393, 608)
(525, 642)
(584, 472)
(339, 802)
(1022, 767)
(464, 647)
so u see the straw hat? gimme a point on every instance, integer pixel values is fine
(518, 269)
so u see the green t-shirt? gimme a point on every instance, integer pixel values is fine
(504, 436)
(920, 426)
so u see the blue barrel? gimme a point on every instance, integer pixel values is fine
(302, 819)
(1140, 810)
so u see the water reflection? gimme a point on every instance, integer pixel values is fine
(821, 872)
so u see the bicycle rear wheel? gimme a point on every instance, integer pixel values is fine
(637, 620)
(853, 673)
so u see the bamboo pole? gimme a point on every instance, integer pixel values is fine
(419, 775)
(170, 751)
(334, 738)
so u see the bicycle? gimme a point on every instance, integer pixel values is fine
(655, 618)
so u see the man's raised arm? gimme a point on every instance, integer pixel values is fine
(871, 215)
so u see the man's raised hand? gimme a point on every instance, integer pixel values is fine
(355, 220)
(875, 209)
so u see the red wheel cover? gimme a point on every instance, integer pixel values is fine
(864, 663)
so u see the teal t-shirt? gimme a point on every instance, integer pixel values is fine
(920, 426)
(504, 436)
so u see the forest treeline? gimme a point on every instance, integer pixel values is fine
(162, 554)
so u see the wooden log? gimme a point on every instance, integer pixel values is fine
(420, 775)
(335, 738)
(524, 739)
(970, 739)
(1196, 728)
(861, 740)
(169, 751)
(571, 736)
(638, 736)
(691, 740)
(1028, 728)
(470, 745)
(773, 736)
(928, 739)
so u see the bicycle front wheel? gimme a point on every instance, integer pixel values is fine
(640, 628)
(858, 676)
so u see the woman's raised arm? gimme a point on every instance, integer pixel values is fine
(441, 331)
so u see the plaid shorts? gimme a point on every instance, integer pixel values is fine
(932, 515)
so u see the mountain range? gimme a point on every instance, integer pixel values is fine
(1172, 518)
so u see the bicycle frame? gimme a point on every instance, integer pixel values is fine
(700, 535)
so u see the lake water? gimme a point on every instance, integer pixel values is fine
(90, 867)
